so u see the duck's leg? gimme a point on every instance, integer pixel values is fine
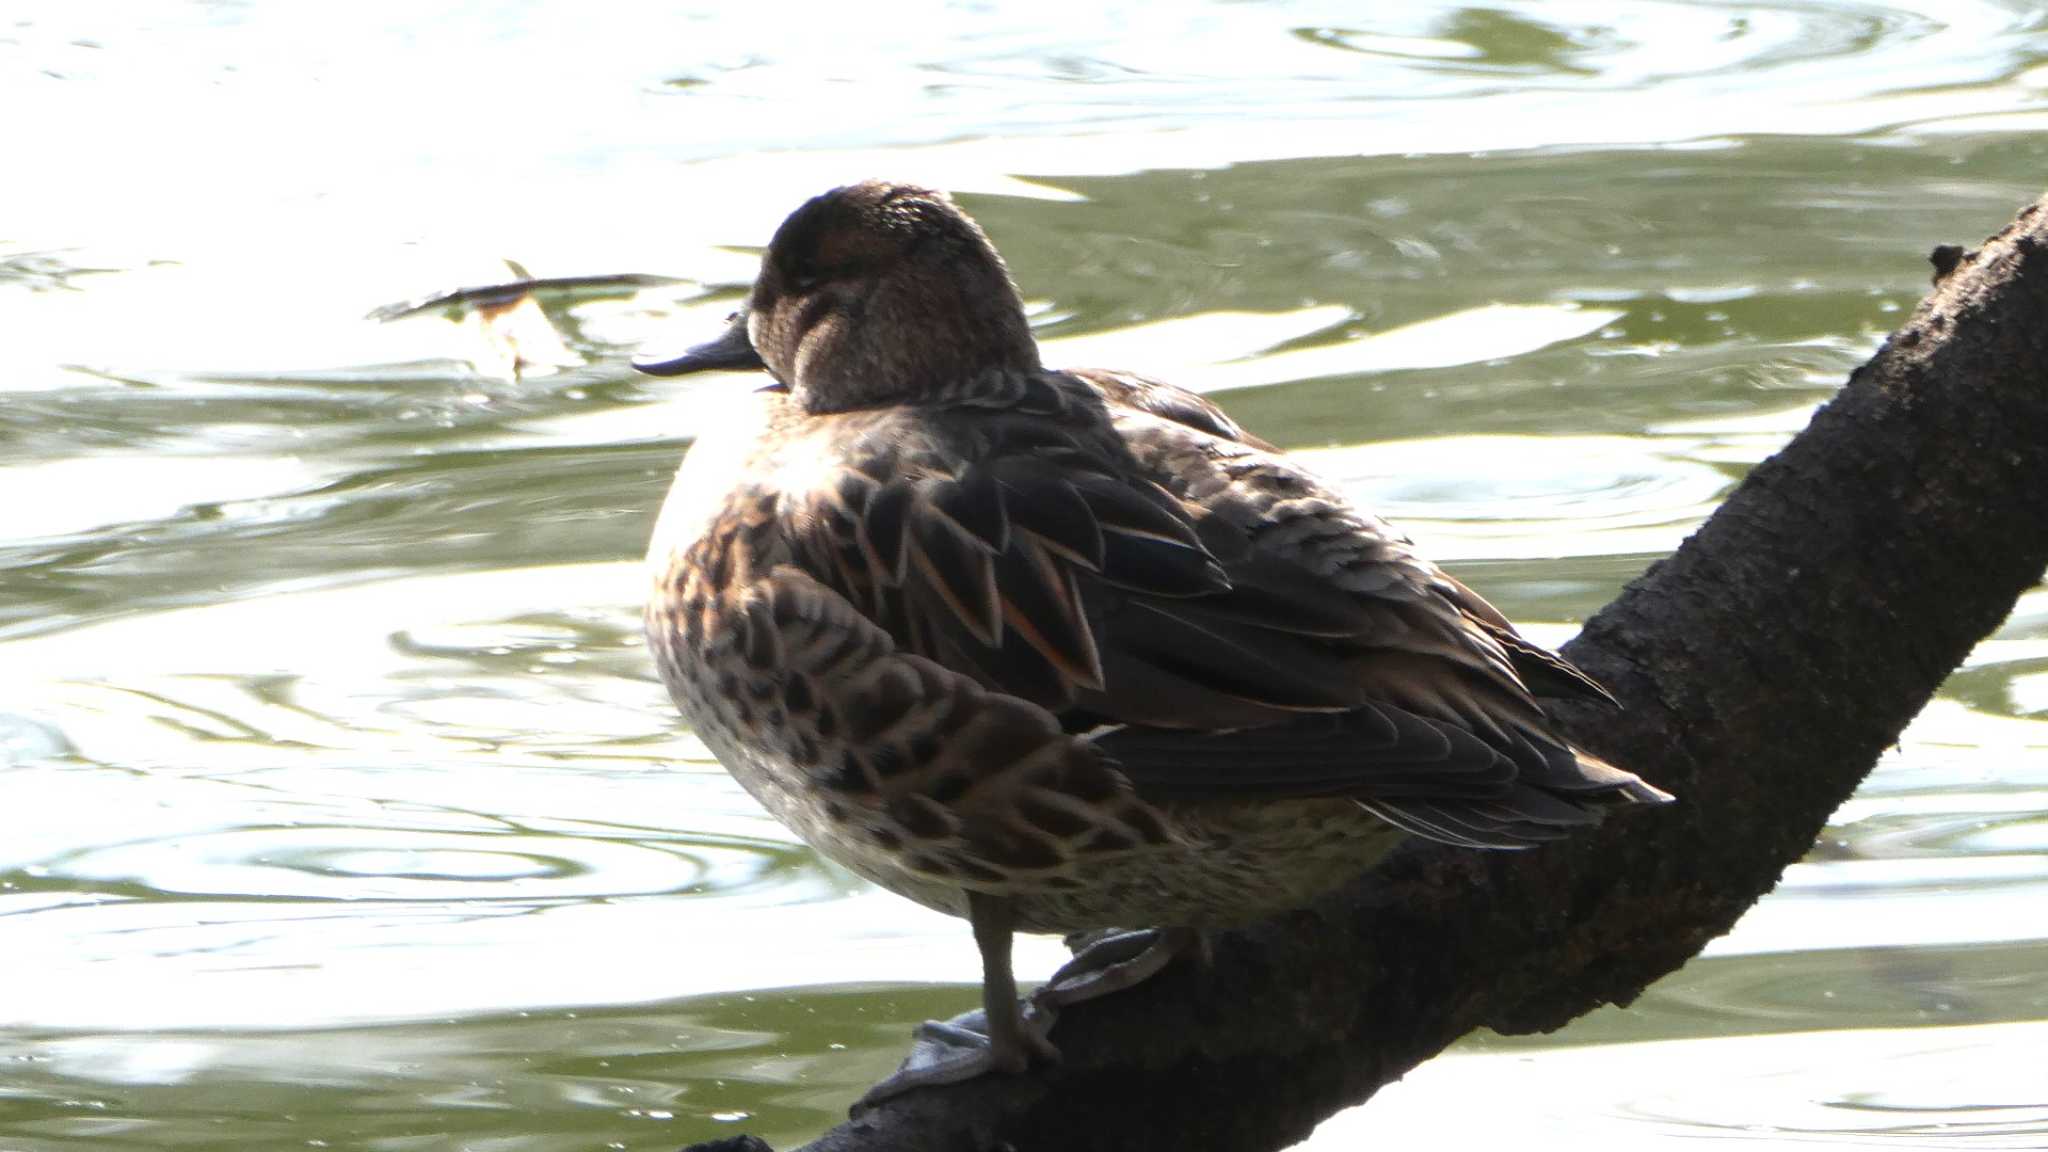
(1012, 1043)
(997, 1038)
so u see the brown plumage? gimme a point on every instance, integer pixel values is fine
(1065, 650)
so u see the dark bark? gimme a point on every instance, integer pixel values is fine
(1763, 667)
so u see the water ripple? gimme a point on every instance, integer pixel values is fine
(1574, 496)
(1959, 1088)
(357, 864)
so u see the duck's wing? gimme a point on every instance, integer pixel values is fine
(1011, 535)
(1115, 551)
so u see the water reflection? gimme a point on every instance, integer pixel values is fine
(1943, 1088)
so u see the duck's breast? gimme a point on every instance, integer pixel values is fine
(731, 436)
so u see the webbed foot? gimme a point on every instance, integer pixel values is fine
(1111, 963)
(949, 1051)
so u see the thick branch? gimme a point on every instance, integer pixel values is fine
(1764, 667)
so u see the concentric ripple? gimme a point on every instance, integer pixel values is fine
(355, 864)
(1569, 496)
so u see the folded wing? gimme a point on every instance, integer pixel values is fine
(1220, 622)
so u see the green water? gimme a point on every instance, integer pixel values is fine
(338, 805)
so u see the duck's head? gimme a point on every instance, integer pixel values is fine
(870, 294)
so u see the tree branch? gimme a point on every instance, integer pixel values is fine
(1763, 667)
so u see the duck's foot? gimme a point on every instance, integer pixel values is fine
(949, 1051)
(1002, 1036)
(1110, 963)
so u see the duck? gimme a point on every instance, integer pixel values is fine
(1065, 651)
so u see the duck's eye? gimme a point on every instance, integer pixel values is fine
(805, 278)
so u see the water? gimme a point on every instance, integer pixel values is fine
(341, 808)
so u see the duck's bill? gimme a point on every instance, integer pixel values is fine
(731, 352)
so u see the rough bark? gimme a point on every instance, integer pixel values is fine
(1763, 668)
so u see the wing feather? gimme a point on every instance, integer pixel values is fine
(1117, 552)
